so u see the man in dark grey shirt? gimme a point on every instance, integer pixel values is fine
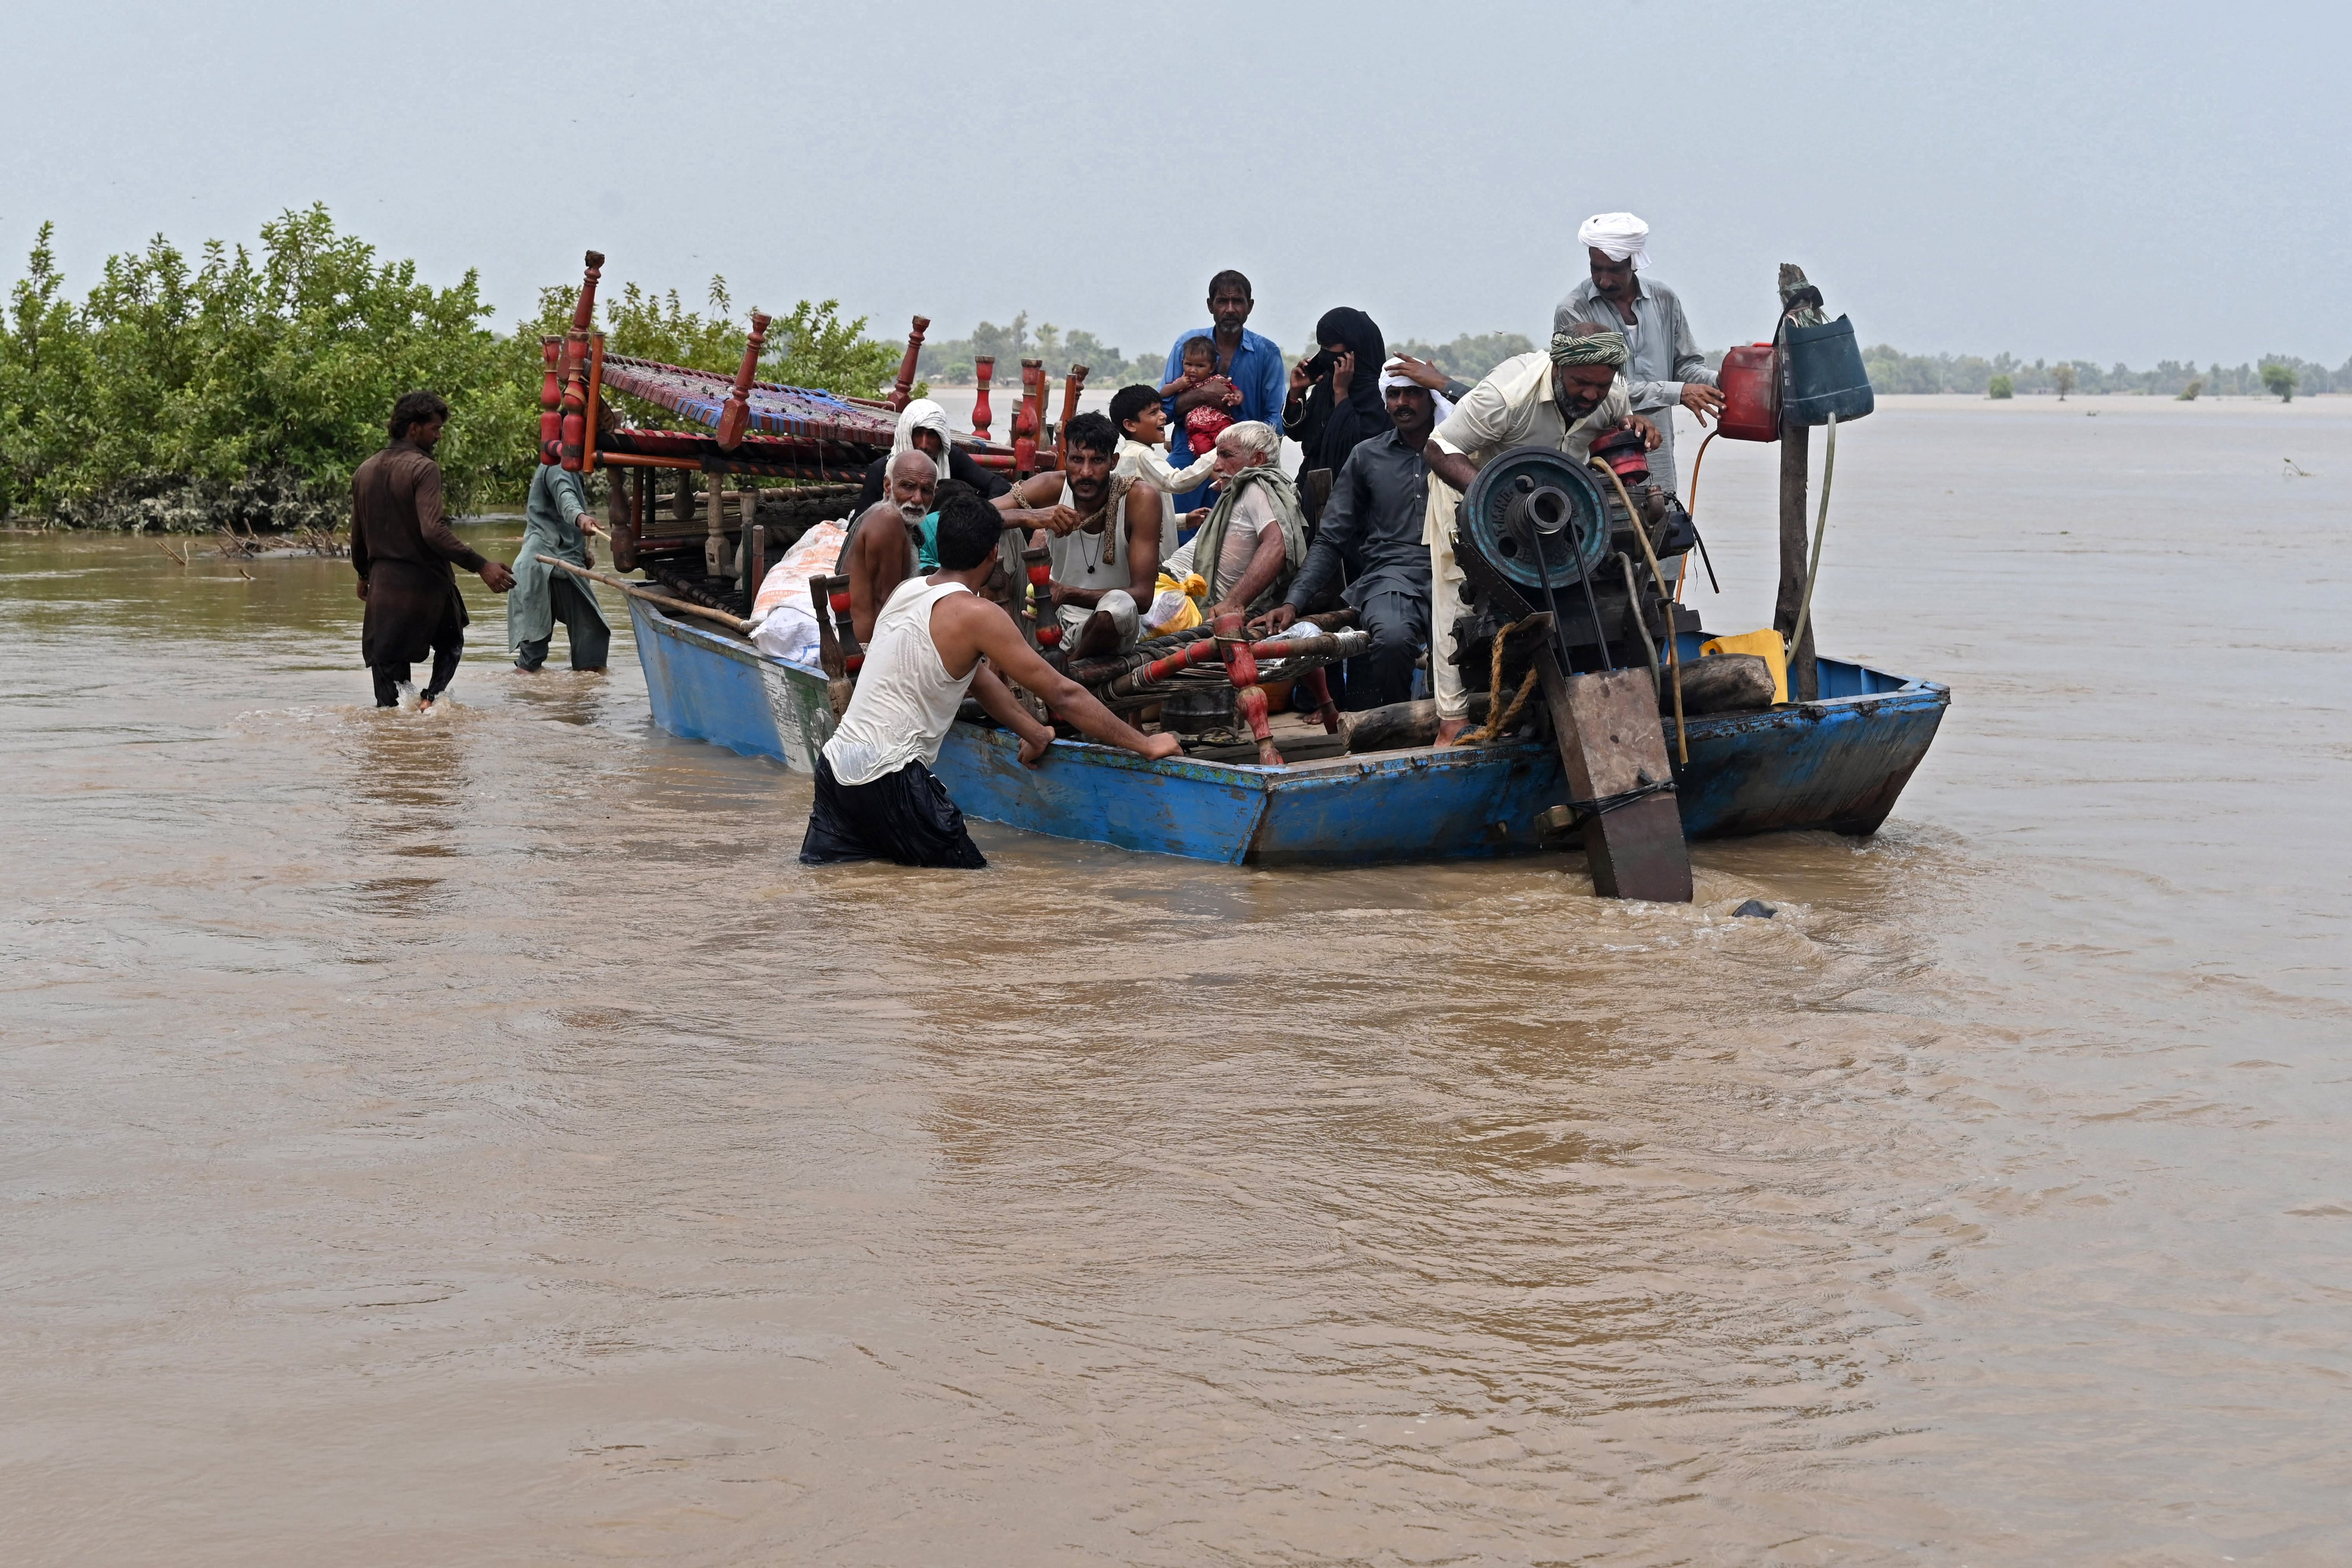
(1667, 366)
(1379, 498)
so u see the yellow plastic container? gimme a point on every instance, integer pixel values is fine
(1765, 645)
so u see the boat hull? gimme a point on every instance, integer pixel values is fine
(1838, 763)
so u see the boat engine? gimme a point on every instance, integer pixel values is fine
(1537, 531)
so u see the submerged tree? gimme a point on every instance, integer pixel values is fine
(2278, 379)
(2062, 376)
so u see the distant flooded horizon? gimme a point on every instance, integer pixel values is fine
(475, 1138)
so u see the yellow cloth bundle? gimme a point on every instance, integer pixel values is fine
(1176, 606)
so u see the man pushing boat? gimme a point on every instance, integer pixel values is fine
(875, 797)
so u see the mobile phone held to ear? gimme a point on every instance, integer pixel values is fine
(1319, 366)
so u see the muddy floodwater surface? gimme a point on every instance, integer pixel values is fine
(475, 1139)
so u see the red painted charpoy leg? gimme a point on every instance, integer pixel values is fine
(982, 368)
(903, 387)
(550, 402)
(576, 366)
(1241, 668)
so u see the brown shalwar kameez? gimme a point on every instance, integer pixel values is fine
(404, 550)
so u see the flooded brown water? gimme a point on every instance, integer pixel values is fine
(474, 1138)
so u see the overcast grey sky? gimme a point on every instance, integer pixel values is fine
(2108, 182)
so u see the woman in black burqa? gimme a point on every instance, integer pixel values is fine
(1335, 397)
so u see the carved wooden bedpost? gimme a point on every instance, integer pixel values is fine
(903, 388)
(1029, 419)
(1070, 387)
(736, 417)
(1249, 697)
(715, 560)
(983, 366)
(551, 402)
(595, 400)
(1041, 623)
(576, 365)
(626, 517)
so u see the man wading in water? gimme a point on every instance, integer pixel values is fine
(876, 797)
(403, 549)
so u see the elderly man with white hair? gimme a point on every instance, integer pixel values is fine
(1252, 541)
(1667, 367)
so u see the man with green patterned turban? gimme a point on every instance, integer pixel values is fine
(1563, 397)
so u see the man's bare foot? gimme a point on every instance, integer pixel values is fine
(1449, 731)
(1098, 637)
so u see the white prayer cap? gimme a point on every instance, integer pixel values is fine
(1437, 400)
(1617, 235)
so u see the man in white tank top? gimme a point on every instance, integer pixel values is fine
(1103, 575)
(876, 795)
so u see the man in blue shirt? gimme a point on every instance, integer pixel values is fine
(1245, 361)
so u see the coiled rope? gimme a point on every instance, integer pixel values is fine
(1498, 721)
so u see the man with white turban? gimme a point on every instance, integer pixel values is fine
(1667, 367)
(923, 428)
(1562, 397)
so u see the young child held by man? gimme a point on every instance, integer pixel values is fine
(1204, 421)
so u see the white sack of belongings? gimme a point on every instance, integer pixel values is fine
(784, 617)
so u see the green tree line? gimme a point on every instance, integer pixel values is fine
(1892, 370)
(951, 359)
(241, 386)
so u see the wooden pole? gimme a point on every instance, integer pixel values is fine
(904, 387)
(1804, 679)
(625, 505)
(732, 623)
(755, 553)
(632, 461)
(1800, 302)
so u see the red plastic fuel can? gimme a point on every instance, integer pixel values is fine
(1750, 383)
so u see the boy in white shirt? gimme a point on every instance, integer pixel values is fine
(1142, 423)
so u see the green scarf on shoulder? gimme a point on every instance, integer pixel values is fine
(1208, 545)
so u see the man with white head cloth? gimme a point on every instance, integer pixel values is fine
(1667, 367)
(1379, 500)
(923, 428)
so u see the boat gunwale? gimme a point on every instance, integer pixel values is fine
(1911, 692)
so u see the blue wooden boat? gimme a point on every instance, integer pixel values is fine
(1837, 764)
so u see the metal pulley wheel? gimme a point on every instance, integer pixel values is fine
(1536, 516)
